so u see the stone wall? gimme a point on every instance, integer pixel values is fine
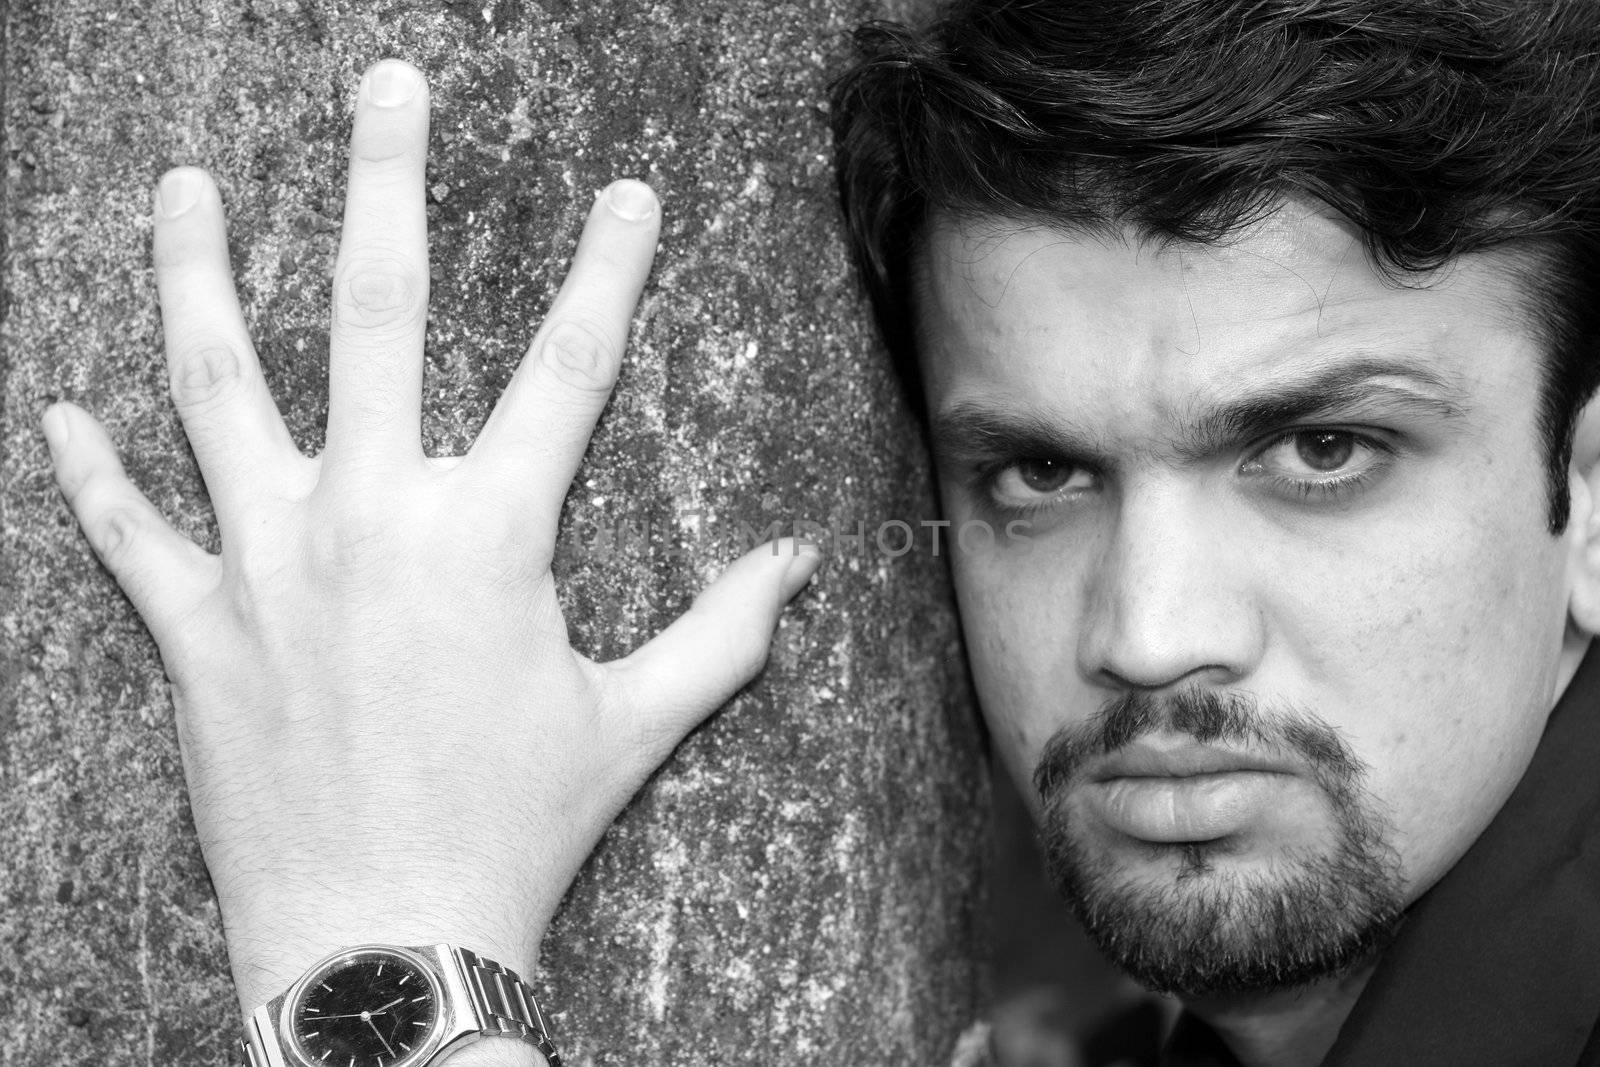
(798, 885)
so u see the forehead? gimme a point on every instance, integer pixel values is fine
(1024, 314)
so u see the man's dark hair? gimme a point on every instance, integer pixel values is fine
(1438, 127)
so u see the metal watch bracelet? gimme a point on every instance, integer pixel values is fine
(504, 1000)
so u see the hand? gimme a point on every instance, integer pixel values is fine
(386, 734)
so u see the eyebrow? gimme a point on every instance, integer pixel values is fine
(969, 428)
(973, 429)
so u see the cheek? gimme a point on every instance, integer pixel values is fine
(1020, 636)
(1432, 644)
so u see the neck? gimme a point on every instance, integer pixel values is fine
(1285, 1028)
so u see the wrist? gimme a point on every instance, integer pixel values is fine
(261, 974)
(472, 1009)
(269, 953)
(496, 1052)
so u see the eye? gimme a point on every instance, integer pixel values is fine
(1026, 482)
(1324, 452)
(1320, 461)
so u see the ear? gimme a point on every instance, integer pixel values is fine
(1583, 523)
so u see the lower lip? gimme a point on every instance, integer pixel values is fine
(1202, 807)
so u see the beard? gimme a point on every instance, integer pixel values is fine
(1205, 930)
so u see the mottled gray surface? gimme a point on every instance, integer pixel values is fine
(798, 885)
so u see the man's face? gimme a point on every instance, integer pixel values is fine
(1285, 612)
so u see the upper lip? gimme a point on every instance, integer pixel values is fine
(1181, 757)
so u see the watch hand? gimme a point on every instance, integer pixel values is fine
(361, 1014)
(375, 1030)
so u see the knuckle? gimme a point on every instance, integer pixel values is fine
(492, 548)
(205, 373)
(72, 475)
(180, 245)
(379, 295)
(492, 517)
(381, 157)
(171, 250)
(742, 651)
(386, 149)
(93, 482)
(113, 534)
(353, 541)
(261, 591)
(256, 580)
(580, 355)
(747, 655)
(655, 736)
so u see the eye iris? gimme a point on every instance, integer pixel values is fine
(1043, 475)
(1325, 451)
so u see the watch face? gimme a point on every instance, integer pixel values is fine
(369, 1008)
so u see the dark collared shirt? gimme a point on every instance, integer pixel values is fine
(1499, 963)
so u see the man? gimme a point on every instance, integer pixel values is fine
(1276, 321)
(1271, 321)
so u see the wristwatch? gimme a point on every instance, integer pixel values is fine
(390, 1006)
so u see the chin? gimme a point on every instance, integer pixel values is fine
(1212, 918)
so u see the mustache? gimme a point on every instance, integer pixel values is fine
(1208, 716)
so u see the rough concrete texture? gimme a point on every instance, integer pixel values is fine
(798, 885)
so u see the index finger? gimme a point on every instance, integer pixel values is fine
(538, 432)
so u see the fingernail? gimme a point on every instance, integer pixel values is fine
(392, 83)
(56, 430)
(631, 200)
(180, 189)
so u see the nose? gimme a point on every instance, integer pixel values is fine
(1169, 601)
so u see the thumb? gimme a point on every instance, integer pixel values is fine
(696, 665)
